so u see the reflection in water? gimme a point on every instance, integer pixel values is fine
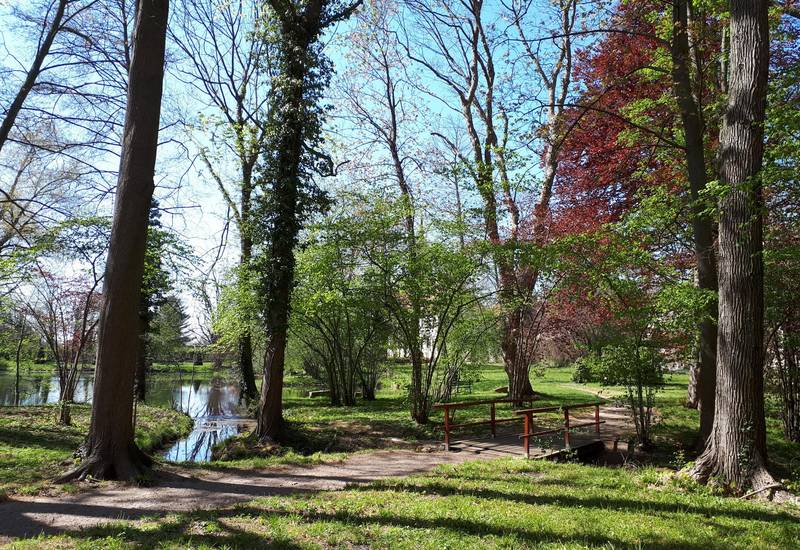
(40, 388)
(214, 404)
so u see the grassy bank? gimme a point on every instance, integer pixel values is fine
(500, 504)
(33, 448)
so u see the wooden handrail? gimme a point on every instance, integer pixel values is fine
(493, 421)
(557, 408)
(465, 404)
(566, 429)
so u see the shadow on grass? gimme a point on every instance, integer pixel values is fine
(178, 531)
(613, 503)
(48, 439)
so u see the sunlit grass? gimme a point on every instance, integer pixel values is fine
(508, 503)
(33, 448)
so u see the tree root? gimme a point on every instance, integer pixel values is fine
(131, 465)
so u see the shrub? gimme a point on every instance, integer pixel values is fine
(640, 370)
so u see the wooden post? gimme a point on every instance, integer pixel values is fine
(494, 428)
(526, 438)
(566, 427)
(446, 428)
(597, 418)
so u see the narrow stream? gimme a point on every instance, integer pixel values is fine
(211, 399)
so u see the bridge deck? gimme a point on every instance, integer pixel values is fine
(510, 445)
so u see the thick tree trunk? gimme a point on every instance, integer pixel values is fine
(517, 366)
(296, 39)
(112, 452)
(736, 454)
(693, 129)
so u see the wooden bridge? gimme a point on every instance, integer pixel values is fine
(539, 435)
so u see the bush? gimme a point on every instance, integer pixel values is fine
(640, 370)
(588, 369)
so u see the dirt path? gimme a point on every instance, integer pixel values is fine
(181, 490)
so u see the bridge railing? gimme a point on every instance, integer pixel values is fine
(450, 408)
(529, 430)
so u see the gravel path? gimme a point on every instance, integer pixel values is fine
(181, 490)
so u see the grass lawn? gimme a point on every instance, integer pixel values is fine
(322, 432)
(508, 503)
(33, 448)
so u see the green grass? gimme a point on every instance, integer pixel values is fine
(319, 432)
(501, 504)
(508, 503)
(33, 448)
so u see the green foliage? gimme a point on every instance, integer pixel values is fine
(168, 331)
(639, 369)
(339, 317)
(237, 311)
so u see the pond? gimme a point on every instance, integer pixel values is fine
(213, 400)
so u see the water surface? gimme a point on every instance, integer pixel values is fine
(212, 400)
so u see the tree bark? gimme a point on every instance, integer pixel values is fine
(112, 452)
(736, 453)
(245, 347)
(693, 129)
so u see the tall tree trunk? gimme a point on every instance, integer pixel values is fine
(693, 129)
(245, 347)
(299, 30)
(112, 452)
(295, 42)
(736, 453)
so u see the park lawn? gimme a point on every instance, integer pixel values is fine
(509, 503)
(320, 432)
(33, 448)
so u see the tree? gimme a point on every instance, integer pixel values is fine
(64, 312)
(230, 64)
(338, 314)
(168, 339)
(427, 300)
(155, 284)
(460, 46)
(736, 454)
(111, 450)
(53, 24)
(293, 153)
(684, 60)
